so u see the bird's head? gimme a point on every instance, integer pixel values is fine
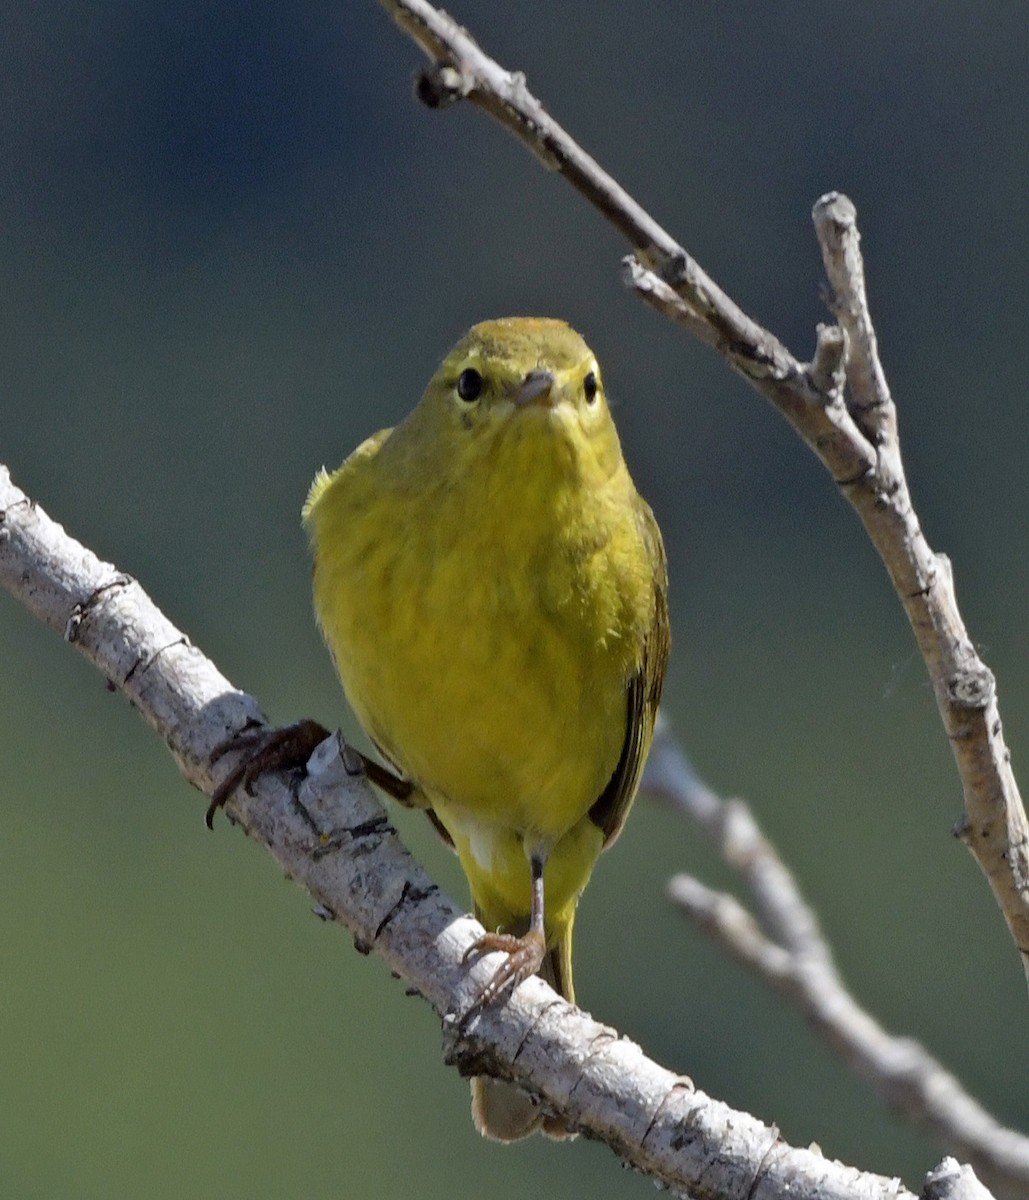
(523, 388)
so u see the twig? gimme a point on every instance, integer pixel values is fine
(786, 947)
(461, 70)
(329, 834)
(854, 435)
(994, 828)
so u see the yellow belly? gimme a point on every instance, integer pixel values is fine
(489, 659)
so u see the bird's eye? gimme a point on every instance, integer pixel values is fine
(590, 387)
(469, 384)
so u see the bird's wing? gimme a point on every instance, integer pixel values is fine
(416, 798)
(611, 808)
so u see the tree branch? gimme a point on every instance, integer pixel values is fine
(328, 833)
(784, 944)
(994, 827)
(853, 431)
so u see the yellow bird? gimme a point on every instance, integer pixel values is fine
(494, 593)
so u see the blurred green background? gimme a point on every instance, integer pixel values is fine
(232, 246)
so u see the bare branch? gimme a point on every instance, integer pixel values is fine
(994, 828)
(949, 1181)
(785, 945)
(329, 834)
(461, 70)
(854, 437)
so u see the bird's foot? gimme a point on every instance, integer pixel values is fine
(524, 958)
(263, 749)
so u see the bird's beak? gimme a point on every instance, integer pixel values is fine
(537, 385)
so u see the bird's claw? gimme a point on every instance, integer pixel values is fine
(262, 750)
(524, 958)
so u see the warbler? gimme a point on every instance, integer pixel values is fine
(493, 591)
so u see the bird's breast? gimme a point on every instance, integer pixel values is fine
(487, 647)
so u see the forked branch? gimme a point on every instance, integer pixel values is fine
(782, 942)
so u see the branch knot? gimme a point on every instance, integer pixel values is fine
(972, 688)
(441, 85)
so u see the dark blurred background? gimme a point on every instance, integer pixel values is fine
(232, 246)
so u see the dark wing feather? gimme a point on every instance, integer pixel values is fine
(414, 797)
(611, 808)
